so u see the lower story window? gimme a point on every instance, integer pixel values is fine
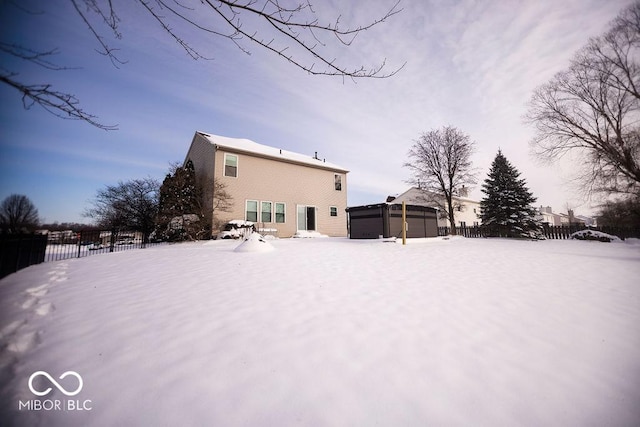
(280, 210)
(265, 211)
(333, 210)
(252, 211)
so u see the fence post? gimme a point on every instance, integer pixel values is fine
(17, 266)
(112, 241)
(79, 236)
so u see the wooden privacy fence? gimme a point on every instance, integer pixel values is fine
(565, 231)
(550, 231)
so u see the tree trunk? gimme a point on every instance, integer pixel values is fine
(452, 219)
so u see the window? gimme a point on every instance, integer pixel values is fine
(266, 211)
(338, 182)
(333, 210)
(280, 209)
(230, 165)
(252, 211)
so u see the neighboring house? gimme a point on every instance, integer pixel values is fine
(278, 190)
(467, 211)
(546, 215)
(587, 220)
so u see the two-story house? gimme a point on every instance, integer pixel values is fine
(276, 189)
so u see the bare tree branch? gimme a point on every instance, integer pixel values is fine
(594, 107)
(291, 32)
(440, 164)
(60, 104)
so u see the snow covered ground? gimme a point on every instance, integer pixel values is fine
(328, 332)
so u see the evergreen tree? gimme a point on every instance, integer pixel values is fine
(180, 215)
(507, 209)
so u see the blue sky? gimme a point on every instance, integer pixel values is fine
(470, 64)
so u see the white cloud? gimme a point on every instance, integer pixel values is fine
(470, 64)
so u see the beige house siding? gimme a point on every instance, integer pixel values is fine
(202, 154)
(264, 179)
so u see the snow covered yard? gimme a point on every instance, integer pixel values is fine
(329, 332)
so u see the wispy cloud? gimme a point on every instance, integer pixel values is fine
(470, 64)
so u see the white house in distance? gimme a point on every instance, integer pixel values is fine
(278, 190)
(547, 216)
(467, 211)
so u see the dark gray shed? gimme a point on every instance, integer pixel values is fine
(385, 219)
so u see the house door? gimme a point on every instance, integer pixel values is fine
(306, 218)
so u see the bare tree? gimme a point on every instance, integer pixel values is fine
(222, 202)
(620, 213)
(18, 214)
(131, 205)
(593, 107)
(440, 163)
(292, 32)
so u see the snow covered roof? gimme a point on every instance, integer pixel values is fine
(417, 196)
(251, 147)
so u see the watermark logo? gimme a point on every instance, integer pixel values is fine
(55, 383)
(39, 390)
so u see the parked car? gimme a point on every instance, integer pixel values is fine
(235, 229)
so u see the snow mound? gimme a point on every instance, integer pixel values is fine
(254, 243)
(241, 223)
(594, 235)
(308, 234)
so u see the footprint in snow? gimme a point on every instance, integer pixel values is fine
(38, 291)
(44, 309)
(11, 328)
(30, 302)
(24, 342)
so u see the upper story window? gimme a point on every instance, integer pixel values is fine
(230, 165)
(338, 182)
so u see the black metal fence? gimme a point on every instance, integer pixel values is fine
(20, 251)
(550, 231)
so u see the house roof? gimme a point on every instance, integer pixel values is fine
(240, 145)
(416, 196)
(394, 206)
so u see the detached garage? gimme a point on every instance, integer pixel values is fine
(385, 220)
